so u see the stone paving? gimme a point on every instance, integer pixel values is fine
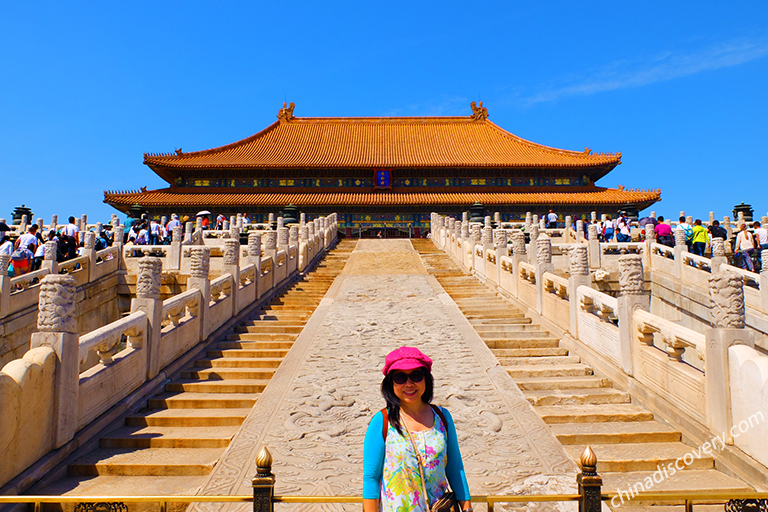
(315, 411)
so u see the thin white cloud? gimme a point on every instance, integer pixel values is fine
(663, 67)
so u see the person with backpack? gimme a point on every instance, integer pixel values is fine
(699, 239)
(718, 231)
(411, 451)
(688, 230)
(744, 247)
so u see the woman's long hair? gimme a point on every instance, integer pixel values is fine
(393, 403)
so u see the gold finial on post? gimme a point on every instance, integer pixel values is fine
(263, 483)
(589, 482)
(264, 462)
(588, 460)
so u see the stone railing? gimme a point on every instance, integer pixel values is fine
(45, 403)
(708, 375)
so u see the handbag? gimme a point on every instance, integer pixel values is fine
(445, 503)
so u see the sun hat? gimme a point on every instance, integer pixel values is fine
(406, 358)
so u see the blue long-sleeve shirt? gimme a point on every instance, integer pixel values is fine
(374, 451)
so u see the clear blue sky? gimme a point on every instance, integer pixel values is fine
(678, 87)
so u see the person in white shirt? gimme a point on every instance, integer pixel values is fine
(6, 246)
(173, 223)
(28, 240)
(551, 219)
(761, 236)
(71, 229)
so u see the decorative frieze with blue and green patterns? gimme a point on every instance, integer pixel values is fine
(365, 183)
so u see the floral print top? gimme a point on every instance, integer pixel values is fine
(401, 489)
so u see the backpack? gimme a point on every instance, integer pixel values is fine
(385, 424)
(688, 230)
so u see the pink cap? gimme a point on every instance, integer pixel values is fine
(406, 358)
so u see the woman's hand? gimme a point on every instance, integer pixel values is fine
(466, 506)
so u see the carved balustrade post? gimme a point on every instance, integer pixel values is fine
(595, 256)
(89, 250)
(231, 266)
(5, 285)
(518, 255)
(726, 294)
(679, 249)
(570, 236)
(271, 220)
(269, 238)
(535, 230)
(283, 237)
(198, 225)
(304, 249)
(189, 228)
(263, 483)
(148, 300)
(543, 264)
(254, 254)
(55, 222)
(589, 482)
(728, 227)
(764, 279)
(199, 279)
(173, 259)
(280, 222)
(528, 222)
(718, 255)
(578, 261)
(57, 328)
(632, 297)
(579, 231)
(49, 257)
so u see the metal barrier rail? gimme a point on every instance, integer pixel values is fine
(589, 497)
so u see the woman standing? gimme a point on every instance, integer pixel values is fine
(745, 246)
(411, 448)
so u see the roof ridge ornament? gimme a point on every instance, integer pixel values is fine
(286, 113)
(478, 112)
(179, 152)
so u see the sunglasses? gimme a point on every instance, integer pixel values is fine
(415, 376)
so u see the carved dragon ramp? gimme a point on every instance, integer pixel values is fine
(314, 413)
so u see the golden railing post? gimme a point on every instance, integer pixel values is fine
(589, 482)
(263, 483)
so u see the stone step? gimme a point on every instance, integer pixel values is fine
(577, 396)
(559, 370)
(626, 457)
(169, 437)
(500, 311)
(188, 400)
(592, 413)
(476, 321)
(521, 335)
(615, 432)
(226, 373)
(538, 360)
(218, 386)
(188, 418)
(302, 307)
(689, 481)
(255, 336)
(526, 343)
(242, 353)
(107, 485)
(483, 329)
(254, 345)
(562, 382)
(239, 362)
(282, 316)
(270, 329)
(146, 462)
(530, 352)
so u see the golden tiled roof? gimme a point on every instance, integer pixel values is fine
(380, 142)
(170, 198)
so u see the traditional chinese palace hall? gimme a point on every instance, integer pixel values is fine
(382, 172)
